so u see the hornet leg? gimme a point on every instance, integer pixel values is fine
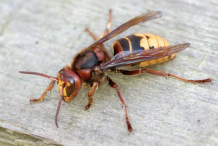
(107, 29)
(37, 100)
(122, 99)
(161, 73)
(92, 34)
(91, 92)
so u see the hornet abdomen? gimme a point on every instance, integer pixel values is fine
(139, 42)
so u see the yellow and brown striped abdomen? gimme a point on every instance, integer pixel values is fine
(139, 42)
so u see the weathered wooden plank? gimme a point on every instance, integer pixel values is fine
(13, 138)
(43, 36)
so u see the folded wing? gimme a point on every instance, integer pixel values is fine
(143, 56)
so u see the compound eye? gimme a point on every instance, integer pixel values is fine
(70, 89)
(71, 80)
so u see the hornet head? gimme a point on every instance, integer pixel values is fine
(69, 84)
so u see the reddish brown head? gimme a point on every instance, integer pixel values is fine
(70, 82)
(69, 85)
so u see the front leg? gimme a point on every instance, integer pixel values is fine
(91, 92)
(37, 100)
(122, 99)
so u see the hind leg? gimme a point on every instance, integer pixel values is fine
(107, 29)
(161, 73)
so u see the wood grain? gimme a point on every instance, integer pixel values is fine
(43, 36)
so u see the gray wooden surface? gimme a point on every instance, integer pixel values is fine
(43, 36)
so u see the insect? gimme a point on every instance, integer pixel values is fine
(93, 64)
